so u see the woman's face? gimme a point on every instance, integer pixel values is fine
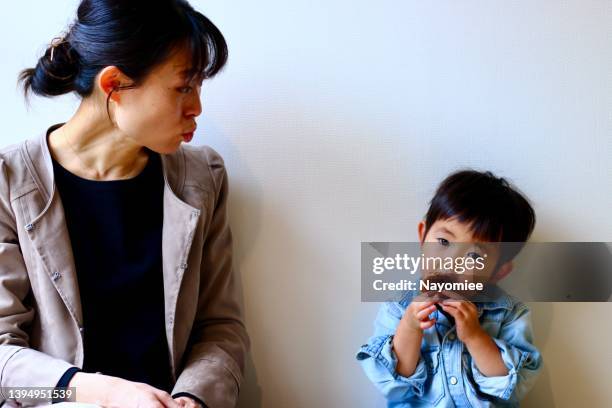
(161, 113)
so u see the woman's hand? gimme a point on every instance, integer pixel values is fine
(187, 402)
(114, 392)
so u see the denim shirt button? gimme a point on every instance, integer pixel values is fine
(451, 336)
(453, 380)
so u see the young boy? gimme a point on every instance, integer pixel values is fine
(451, 353)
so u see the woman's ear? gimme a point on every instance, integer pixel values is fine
(109, 81)
(501, 272)
(421, 231)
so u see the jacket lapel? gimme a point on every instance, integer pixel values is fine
(180, 223)
(48, 230)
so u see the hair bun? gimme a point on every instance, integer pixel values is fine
(55, 72)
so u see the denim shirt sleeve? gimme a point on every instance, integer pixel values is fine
(522, 358)
(379, 361)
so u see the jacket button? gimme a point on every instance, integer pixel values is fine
(29, 227)
(81, 329)
(183, 266)
(56, 275)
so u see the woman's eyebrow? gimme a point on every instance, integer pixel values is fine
(184, 72)
(182, 69)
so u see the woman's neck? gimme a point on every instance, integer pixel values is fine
(89, 146)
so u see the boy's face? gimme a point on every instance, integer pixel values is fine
(455, 239)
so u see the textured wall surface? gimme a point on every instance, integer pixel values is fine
(337, 119)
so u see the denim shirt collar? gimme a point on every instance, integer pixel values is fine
(501, 300)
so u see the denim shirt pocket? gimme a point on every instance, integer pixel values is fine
(434, 388)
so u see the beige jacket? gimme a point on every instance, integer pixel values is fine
(41, 323)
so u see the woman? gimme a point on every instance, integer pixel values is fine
(115, 249)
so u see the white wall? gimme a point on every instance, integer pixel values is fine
(337, 119)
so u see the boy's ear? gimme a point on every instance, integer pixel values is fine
(503, 271)
(421, 231)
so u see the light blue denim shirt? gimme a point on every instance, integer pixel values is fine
(446, 375)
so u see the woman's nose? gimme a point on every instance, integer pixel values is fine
(194, 106)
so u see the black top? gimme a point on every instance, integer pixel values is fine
(115, 230)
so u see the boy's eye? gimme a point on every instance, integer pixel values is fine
(474, 255)
(443, 242)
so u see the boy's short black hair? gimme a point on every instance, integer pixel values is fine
(495, 210)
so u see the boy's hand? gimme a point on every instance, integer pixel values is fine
(417, 314)
(409, 333)
(466, 319)
(480, 345)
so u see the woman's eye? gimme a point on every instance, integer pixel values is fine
(443, 241)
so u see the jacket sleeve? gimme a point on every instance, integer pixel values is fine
(379, 361)
(214, 367)
(20, 366)
(515, 342)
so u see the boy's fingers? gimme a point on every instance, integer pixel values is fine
(465, 306)
(452, 303)
(456, 311)
(424, 304)
(453, 311)
(471, 306)
(427, 324)
(422, 314)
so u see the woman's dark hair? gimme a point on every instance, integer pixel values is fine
(133, 35)
(495, 211)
